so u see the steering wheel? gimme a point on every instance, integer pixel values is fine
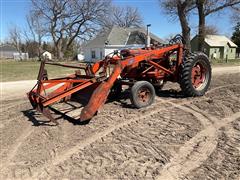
(178, 39)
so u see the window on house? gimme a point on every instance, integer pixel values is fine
(231, 51)
(93, 54)
(101, 55)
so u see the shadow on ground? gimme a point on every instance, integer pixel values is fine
(33, 115)
(122, 99)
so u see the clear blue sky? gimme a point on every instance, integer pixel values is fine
(14, 12)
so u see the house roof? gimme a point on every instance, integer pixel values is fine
(7, 47)
(218, 41)
(44, 52)
(122, 36)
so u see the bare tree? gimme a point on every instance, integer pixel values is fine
(211, 30)
(180, 9)
(123, 17)
(35, 32)
(206, 8)
(15, 38)
(235, 14)
(67, 20)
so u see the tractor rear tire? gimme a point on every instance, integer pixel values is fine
(195, 75)
(142, 94)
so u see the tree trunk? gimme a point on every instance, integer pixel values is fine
(39, 47)
(19, 51)
(201, 26)
(184, 24)
(59, 52)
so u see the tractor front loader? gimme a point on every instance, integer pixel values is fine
(143, 70)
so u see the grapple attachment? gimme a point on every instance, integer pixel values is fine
(49, 91)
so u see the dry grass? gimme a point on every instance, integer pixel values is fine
(28, 70)
(11, 70)
(223, 62)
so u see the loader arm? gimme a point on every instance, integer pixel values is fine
(100, 95)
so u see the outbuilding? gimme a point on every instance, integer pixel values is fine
(216, 47)
(7, 51)
(47, 55)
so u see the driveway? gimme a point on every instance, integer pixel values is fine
(15, 89)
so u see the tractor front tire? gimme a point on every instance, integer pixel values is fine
(195, 75)
(142, 94)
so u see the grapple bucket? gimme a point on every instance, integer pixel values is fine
(49, 91)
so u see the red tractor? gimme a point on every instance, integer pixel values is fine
(143, 70)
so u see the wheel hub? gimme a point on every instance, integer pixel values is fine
(144, 95)
(198, 75)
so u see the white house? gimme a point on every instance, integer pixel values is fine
(80, 57)
(7, 51)
(47, 55)
(20, 56)
(116, 39)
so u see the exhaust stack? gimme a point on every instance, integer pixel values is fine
(148, 37)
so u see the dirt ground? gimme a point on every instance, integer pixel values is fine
(175, 138)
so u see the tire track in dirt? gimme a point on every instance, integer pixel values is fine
(104, 133)
(220, 87)
(204, 121)
(92, 139)
(12, 152)
(8, 154)
(224, 162)
(194, 152)
(7, 121)
(128, 146)
(13, 104)
(17, 146)
(25, 136)
(199, 148)
(211, 118)
(15, 114)
(98, 136)
(220, 104)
